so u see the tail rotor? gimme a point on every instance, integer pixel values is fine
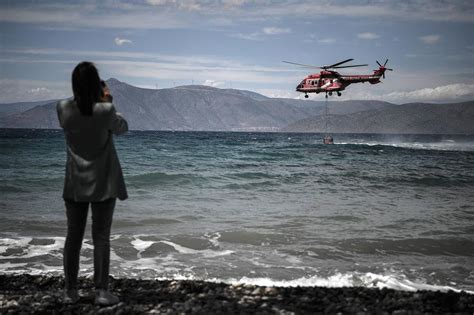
(382, 68)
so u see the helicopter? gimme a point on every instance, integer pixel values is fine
(330, 81)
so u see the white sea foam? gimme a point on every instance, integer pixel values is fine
(172, 266)
(441, 146)
(38, 250)
(369, 280)
(151, 268)
(205, 252)
(114, 256)
(213, 238)
(6, 243)
(30, 250)
(448, 145)
(11, 266)
(141, 246)
(173, 270)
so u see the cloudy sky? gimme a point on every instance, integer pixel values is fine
(239, 44)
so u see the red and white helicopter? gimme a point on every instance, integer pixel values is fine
(330, 81)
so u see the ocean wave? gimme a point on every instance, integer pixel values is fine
(251, 175)
(131, 223)
(265, 184)
(352, 279)
(29, 254)
(427, 180)
(33, 225)
(160, 178)
(208, 253)
(418, 246)
(202, 247)
(12, 189)
(173, 260)
(342, 218)
(337, 280)
(436, 146)
(254, 238)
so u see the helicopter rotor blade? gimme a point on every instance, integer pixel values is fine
(333, 66)
(300, 64)
(352, 66)
(337, 64)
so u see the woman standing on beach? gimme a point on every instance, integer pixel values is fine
(93, 176)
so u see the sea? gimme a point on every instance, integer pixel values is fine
(273, 209)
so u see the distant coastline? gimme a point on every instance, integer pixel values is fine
(203, 108)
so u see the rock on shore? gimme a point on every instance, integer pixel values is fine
(25, 294)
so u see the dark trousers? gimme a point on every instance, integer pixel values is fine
(102, 213)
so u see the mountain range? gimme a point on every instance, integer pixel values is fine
(204, 108)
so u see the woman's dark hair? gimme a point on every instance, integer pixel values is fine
(86, 86)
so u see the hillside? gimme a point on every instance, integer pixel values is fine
(12, 108)
(204, 108)
(195, 107)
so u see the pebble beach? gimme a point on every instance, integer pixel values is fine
(38, 294)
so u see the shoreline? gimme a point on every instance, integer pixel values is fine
(42, 294)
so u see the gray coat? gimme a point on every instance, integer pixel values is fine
(93, 171)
